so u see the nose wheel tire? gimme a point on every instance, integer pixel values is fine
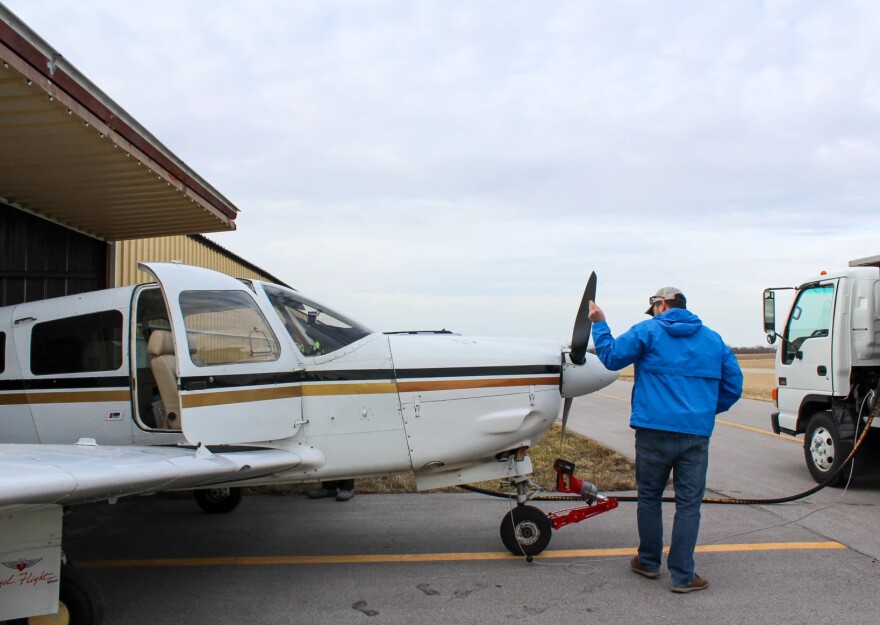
(526, 531)
(825, 450)
(218, 500)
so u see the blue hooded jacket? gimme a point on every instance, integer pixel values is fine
(684, 373)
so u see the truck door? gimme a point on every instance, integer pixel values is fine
(234, 377)
(806, 352)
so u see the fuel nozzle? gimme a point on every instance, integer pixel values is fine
(567, 482)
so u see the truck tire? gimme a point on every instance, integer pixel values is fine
(825, 450)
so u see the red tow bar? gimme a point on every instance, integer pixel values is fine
(561, 518)
(566, 482)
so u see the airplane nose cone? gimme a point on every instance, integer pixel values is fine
(586, 378)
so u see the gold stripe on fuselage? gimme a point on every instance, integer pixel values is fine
(217, 398)
(63, 397)
(268, 393)
(463, 383)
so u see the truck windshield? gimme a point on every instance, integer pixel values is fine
(810, 318)
(314, 328)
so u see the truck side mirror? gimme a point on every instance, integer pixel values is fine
(770, 315)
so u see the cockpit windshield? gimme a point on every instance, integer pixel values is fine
(314, 328)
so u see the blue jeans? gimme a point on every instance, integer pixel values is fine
(687, 456)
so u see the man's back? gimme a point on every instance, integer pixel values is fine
(684, 372)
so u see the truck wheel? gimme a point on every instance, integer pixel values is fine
(825, 451)
(218, 500)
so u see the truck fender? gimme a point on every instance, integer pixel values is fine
(810, 405)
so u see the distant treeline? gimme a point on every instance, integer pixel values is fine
(755, 349)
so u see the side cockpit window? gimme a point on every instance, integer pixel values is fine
(226, 327)
(80, 344)
(315, 329)
(2, 352)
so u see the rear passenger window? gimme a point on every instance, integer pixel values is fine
(2, 352)
(77, 344)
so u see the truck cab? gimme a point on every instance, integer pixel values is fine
(827, 363)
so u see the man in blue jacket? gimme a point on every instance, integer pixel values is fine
(684, 376)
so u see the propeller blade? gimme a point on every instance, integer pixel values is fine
(582, 324)
(566, 407)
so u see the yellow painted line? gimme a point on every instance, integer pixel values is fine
(721, 421)
(600, 394)
(758, 430)
(429, 557)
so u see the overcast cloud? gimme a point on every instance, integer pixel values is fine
(421, 165)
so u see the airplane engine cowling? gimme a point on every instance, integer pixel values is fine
(586, 378)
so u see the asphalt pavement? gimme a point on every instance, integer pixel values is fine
(437, 558)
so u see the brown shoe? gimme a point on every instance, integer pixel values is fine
(639, 568)
(697, 583)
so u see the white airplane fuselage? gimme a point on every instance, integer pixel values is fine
(254, 365)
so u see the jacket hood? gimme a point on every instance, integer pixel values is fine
(679, 322)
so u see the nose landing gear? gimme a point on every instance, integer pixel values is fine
(526, 530)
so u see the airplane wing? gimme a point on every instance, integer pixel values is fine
(80, 473)
(39, 479)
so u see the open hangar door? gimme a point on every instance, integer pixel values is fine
(40, 259)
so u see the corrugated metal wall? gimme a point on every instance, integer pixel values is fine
(183, 248)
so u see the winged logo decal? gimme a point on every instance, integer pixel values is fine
(21, 565)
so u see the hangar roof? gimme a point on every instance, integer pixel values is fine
(71, 154)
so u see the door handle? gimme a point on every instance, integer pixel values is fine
(822, 370)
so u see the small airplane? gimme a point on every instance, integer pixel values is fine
(206, 382)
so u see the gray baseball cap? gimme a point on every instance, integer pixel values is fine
(664, 293)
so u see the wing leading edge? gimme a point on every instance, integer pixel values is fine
(73, 474)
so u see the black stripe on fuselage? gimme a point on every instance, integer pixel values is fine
(362, 375)
(55, 384)
(267, 379)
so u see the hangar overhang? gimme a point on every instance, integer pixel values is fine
(70, 154)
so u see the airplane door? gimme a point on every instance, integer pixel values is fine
(235, 378)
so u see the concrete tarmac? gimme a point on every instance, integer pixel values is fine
(437, 558)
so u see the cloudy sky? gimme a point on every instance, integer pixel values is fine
(465, 165)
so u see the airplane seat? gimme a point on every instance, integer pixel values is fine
(163, 364)
(194, 352)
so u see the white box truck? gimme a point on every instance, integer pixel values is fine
(828, 363)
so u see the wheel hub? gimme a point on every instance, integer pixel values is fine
(217, 494)
(62, 617)
(822, 449)
(527, 533)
